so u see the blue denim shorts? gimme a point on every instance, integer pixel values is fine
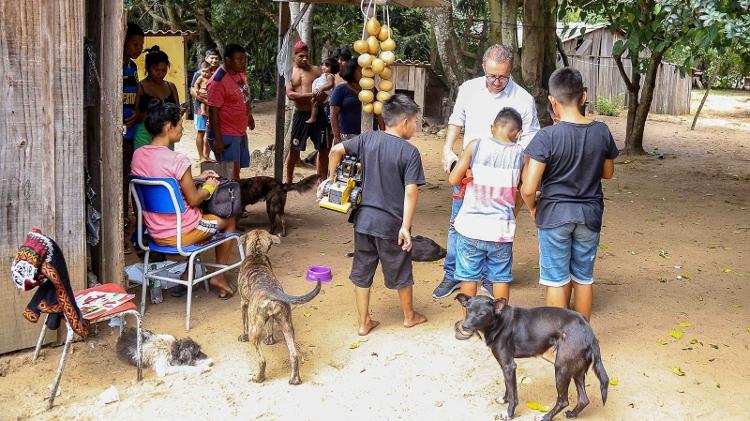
(478, 260)
(235, 148)
(199, 122)
(566, 253)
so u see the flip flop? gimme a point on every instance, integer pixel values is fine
(460, 335)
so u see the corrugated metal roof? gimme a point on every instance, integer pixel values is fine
(168, 32)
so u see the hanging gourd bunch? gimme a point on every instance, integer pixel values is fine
(376, 54)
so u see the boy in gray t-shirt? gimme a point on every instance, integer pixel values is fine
(569, 160)
(391, 172)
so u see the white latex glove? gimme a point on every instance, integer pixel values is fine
(449, 157)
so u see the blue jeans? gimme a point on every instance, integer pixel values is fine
(450, 257)
(479, 260)
(566, 253)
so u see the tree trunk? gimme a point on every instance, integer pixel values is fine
(703, 101)
(204, 22)
(509, 18)
(305, 27)
(634, 140)
(532, 56)
(441, 20)
(496, 22)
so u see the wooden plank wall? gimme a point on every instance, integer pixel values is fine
(411, 78)
(602, 78)
(41, 164)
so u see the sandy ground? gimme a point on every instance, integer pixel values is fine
(673, 250)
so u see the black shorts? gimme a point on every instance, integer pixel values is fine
(396, 263)
(319, 132)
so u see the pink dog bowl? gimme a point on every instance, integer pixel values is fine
(319, 273)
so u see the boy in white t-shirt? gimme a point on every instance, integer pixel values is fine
(486, 222)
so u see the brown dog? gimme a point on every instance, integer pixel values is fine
(255, 189)
(264, 302)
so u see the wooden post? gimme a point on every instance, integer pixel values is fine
(112, 253)
(278, 165)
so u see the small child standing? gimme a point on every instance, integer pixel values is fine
(569, 160)
(486, 222)
(323, 83)
(202, 117)
(391, 172)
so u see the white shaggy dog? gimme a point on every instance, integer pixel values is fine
(164, 353)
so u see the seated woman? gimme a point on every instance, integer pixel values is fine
(164, 122)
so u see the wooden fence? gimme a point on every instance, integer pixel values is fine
(602, 78)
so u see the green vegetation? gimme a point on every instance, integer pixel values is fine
(606, 107)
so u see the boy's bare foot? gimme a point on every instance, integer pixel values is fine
(310, 120)
(414, 320)
(368, 327)
(222, 285)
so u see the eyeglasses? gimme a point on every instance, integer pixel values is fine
(494, 78)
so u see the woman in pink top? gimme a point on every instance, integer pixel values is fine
(164, 122)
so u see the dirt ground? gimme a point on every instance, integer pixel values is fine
(673, 251)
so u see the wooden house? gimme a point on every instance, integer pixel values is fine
(591, 53)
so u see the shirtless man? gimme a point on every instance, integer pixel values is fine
(299, 90)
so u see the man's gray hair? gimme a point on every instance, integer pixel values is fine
(498, 53)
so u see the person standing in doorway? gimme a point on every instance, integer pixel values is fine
(478, 103)
(153, 86)
(230, 109)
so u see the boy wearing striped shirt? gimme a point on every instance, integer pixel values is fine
(486, 223)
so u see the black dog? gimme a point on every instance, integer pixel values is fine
(527, 332)
(255, 189)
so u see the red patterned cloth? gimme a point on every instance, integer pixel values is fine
(40, 264)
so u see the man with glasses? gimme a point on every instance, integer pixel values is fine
(477, 104)
(230, 109)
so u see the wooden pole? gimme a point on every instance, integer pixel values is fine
(278, 165)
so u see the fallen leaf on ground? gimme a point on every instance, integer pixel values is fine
(354, 345)
(614, 382)
(603, 246)
(718, 386)
(677, 334)
(747, 330)
(678, 371)
(306, 314)
(537, 406)
(684, 324)
(726, 270)
(693, 341)
(714, 346)
(664, 254)
(661, 342)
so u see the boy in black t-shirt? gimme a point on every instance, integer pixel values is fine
(391, 172)
(569, 159)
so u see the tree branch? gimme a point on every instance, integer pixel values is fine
(267, 11)
(621, 68)
(558, 43)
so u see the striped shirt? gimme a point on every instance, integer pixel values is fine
(487, 210)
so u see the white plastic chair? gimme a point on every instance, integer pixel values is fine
(163, 195)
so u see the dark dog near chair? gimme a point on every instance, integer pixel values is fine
(513, 332)
(264, 302)
(255, 189)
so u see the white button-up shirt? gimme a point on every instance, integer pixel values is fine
(476, 108)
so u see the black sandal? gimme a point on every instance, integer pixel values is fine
(459, 334)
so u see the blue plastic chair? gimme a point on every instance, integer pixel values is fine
(163, 195)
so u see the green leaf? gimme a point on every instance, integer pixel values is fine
(618, 47)
(677, 334)
(536, 406)
(678, 371)
(684, 324)
(657, 8)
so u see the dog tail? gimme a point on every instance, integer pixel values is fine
(307, 183)
(601, 374)
(294, 299)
